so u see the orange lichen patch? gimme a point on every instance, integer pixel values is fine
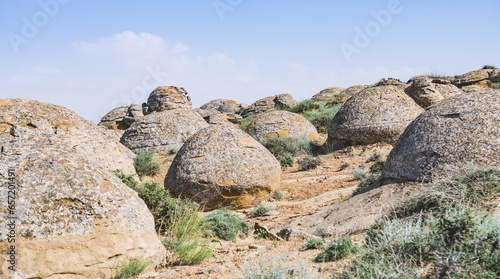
(272, 135)
(390, 102)
(227, 182)
(283, 133)
(369, 111)
(229, 116)
(231, 102)
(247, 141)
(105, 186)
(4, 127)
(3, 102)
(197, 158)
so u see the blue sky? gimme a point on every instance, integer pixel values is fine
(91, 56)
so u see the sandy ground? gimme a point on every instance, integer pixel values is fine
(305, 193)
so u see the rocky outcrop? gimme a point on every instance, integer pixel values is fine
(223, 166)
(75, 219)
(160, 131)
(282, 124)
(168, 98)
(84, 136)
(461, 130)
(223, 105)
(426, 91)
(269, 104)
(328, 93)
(377, 114)
(353, 90)
(134, 112)
(216, 117)
(477, 77)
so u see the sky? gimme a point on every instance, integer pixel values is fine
(92, 56)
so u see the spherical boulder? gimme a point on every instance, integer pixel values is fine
(377, 114)
(328, 93)
(281, 124)
(114, 118)
(284, 101)
(422, 90)
(85, 136)
(75, 219)
(268, 104)
(461, 130)
(168, 98)
(222, 105)
(158, 132)
(223, 166)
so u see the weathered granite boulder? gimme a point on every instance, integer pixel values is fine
(285, 101)
(158, 132)
(353, 90)
(222, 105)
(168, 98)
(86, 137)
(477, 77)
(134, 112)
(282, 124)
(463, 129)
(477, 89)
(426, 91)
(114, 118)
(269, 104)
(223, 166)
(328, 93)
(377, 114)
(75, 219)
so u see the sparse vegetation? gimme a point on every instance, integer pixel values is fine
(377, 166)
(495, 85)
(285, 148)
(314, 243)
(489, 67)
(144, 164)
(359, 174)
(344, 166)
(444, 232)
(107, 125)
(374, 158)
(338, 249)
(245, 123)
(260, 210)
(224, 224)
(173, 150)
(322, 117)
(367, 181)
(306, 106)
(274, 268)
(240, 110)
(309, 163)
(131, 269)
(286, 160)
(278, 195)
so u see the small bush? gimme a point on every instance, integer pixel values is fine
(314, 243)
(224, 225)
(306, 106)
(260, 210)
(368, 181)
(344, 166)
(173, 150)
(275, 268)
(309, 163)
(245, 123)
(286, 160)
(144, 165)
(278, 195)
(322, 118)
(359, 174)
(377, 166)
(240, 110)
(285, 148)
(337, 250)
(489, 67)
(131, 269)
(495, 85)
(374, 158)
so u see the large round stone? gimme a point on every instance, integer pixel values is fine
(75, 219)
(376, 114)
(223, 166)
(281, 124)
(160, 131)
(168, 98)
(461, 130)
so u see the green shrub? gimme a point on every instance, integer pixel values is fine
(359, 174)
(309, 163)
(144, 164)
(240, 110)
(322, 118)
(286, 160)
(245, 123)
(314, 243)
(275, 268)
(131, 269)
(368, 181)
(260, 210)
(337, 250)
(306, 106)
(374, 158)
(489, 67)
(344, 166)
(224, 224)
(278, 195)
(495, 85)
(173, 150)
(377, 166)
